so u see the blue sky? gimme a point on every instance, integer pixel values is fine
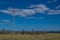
(30, 14)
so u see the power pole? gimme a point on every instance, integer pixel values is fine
(13, 20)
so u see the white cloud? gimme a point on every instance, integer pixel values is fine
(21, 12)
(6, 11)
(52, 1)
(34, 17)
(37, 6)
(41, 8)
(28, 12)
(52, 12)
(7, 21)
(3, 22)
(58, 7)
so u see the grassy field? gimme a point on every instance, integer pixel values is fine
(49, 36)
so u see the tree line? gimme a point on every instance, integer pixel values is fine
(3, 31)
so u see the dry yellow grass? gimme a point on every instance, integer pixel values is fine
(30, 36)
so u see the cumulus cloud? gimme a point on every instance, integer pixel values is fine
(33, 9)
(34, 17)
(6, 21)
(52, 12)
(58, 7)
(28, 12)
(3, 22)
(52, 1)
(21, 12)
(41, 8)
